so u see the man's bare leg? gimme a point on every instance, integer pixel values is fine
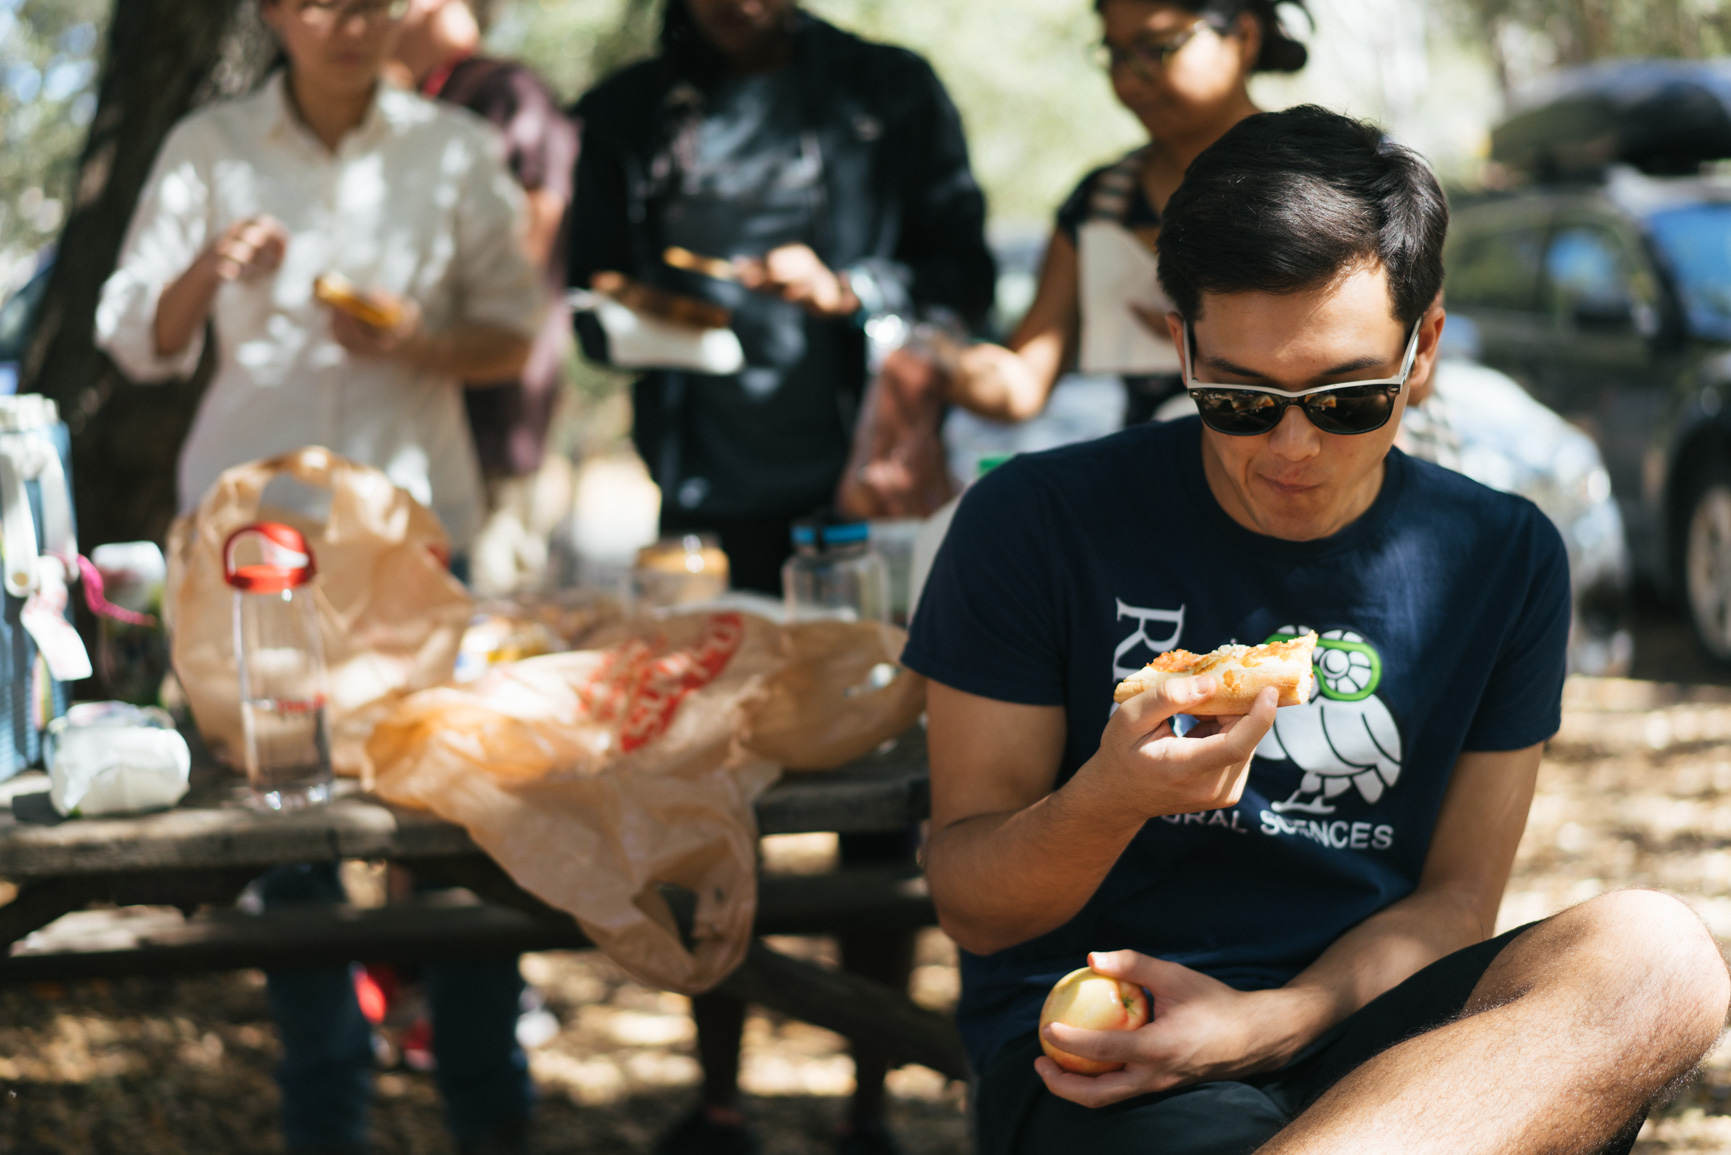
(1574, 1028)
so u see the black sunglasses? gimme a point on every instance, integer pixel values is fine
(1252, 410)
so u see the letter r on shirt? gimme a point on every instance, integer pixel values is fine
(1173, 620)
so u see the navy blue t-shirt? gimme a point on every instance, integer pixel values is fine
(1444, 616)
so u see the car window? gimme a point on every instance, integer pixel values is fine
(1695, 242)
(1496, 269)
(1588, 267)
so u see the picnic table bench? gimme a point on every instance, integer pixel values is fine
(164, 887)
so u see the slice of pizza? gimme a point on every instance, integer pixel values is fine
(1243, 672)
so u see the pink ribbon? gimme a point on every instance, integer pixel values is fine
(100, 605)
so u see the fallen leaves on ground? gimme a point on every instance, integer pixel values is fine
(1636, 791)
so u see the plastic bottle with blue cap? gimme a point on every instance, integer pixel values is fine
(835, 573)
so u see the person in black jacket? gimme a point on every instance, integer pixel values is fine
(833, 174)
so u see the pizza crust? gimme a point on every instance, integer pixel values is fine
(1243, 672)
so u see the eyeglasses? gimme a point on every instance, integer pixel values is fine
(325, 14)
(1252, 410)
(1147, 58)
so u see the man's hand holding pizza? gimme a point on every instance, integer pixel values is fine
(1153, 772)
(1014, 854)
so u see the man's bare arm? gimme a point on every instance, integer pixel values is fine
(1206, 1030)
(993, 768)
(1010, 858)
(1478, 830)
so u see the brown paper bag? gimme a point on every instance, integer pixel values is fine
(591, 776)
(839, 696)
(390, 615)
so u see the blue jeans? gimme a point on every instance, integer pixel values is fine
(326, 1072)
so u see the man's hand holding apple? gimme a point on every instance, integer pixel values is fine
(1202, 1031)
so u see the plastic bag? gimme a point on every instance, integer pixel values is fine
(390, 616)
(896, 467)
(115, 758)
(593, 775)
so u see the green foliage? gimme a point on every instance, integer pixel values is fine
(48, 72)
(574, 43)
(1038, 113)
(1526, 36)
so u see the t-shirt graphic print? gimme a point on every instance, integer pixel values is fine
(1442, 615)
(1344, 738)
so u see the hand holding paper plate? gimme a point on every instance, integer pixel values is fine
(650, 328)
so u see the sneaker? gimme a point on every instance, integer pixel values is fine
(697, 1134)
(867, 1137)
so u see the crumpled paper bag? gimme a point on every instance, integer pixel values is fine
(594, 775)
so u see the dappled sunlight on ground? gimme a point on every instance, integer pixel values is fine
(1635, 791)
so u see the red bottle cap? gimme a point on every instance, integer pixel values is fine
(285, 559)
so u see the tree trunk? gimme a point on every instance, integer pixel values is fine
(163, 57)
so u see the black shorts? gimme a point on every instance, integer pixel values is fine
(1014, 1114)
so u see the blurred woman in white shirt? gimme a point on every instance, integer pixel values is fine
(326, 169)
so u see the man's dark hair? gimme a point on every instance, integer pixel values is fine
(1288, 201)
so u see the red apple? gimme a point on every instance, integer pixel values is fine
(1087, 998)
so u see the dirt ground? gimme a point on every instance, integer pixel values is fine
(1636, 790)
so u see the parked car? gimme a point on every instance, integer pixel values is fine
(1604, 288)
(1495, 433)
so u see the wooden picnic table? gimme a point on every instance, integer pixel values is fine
(156, 894)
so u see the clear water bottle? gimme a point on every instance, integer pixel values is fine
(835, 573)
(282, 667)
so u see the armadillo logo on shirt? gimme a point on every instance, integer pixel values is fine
(643, 684)
(1345, 739)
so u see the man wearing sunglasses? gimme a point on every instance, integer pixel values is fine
(1309, 895)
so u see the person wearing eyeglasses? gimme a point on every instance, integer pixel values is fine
(1182, 67)
(1309, 894)
(326, 169)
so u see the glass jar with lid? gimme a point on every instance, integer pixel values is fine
(835, 573)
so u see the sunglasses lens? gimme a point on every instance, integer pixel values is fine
(1242, 413)
(1236, 413)
(1351, 410)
